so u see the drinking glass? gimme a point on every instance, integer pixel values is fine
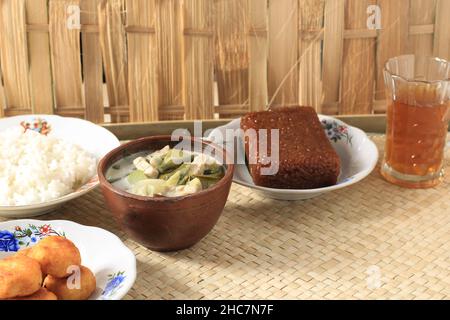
(418, 94)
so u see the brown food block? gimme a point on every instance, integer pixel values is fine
(307, 159)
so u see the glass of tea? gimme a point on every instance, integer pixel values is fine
(418, 94)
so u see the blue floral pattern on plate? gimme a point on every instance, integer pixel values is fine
(24, 237)
(8, 242)
(114, 283)
(337, 132)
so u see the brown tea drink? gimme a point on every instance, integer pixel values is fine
(417, 125)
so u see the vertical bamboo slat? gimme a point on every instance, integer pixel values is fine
(258, 50)
(39, 51)
(2, 97)
(422, 13)
(333, 46)
(358, 69)
(283, 52)
(310, 50)
(392, 38)
(231, 53)
(114, 52)
(2, 93)
(442, 30)
(198, 59)
(66, 61)
(92, 64)
(14, 56)
(142, 60)
(170, 65)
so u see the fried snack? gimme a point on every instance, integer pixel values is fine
(20, 276)
(23, 252)
(307, 159)
(65, 288)
(56, 255)
(41, 294)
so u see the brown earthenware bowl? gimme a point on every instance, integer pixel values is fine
(162, 223)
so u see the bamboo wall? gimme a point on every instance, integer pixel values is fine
(148, 60)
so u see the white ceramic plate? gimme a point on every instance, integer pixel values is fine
(92, 138)
(113, 264)
(357, 152)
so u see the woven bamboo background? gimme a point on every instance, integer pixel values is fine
(372, 240)
(148, 60)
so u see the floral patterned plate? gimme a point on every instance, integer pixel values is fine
(113, 264)
(89, 136)
(357, 152)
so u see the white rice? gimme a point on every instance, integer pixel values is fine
(35, 168)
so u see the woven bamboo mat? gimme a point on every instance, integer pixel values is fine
(369, 241)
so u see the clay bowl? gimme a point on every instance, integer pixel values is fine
(162, 223)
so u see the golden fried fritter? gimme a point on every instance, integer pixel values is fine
(20, 276)
(23, 252)
(56, 255)
(42, 294)
(67, 289)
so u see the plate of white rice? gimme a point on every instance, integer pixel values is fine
(47, 160)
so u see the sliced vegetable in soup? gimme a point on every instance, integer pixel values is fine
(166, 172)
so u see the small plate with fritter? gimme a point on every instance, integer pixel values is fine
(111, 263)
(318, 154)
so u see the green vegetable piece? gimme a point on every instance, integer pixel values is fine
(166, 176)
(183, 170)
(149, 187)
(184, 180)
(212, 175)
(140, 190)
(157, 189)
(174, 159)
(213, 169)
(136, 176)
(173, 180)
(150, 190)
(207, 182)
(171, 161)
(195, 184)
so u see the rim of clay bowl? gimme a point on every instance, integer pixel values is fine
(102, 167)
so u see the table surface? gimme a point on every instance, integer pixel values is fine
(372, 240)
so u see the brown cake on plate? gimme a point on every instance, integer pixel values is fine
(307, 159)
